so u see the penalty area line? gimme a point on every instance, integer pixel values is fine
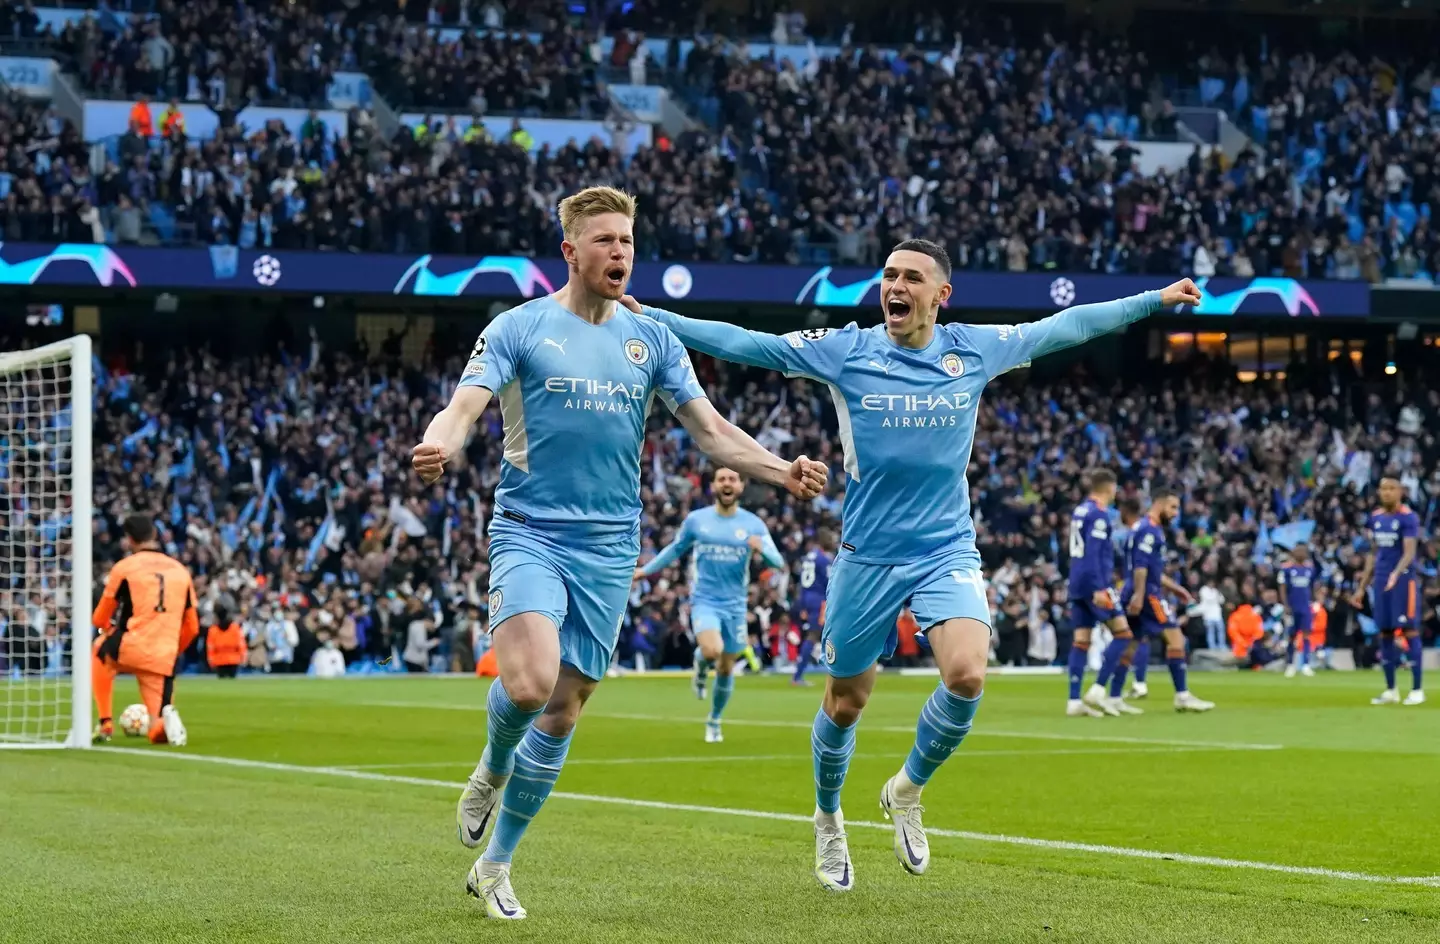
(1432, 881)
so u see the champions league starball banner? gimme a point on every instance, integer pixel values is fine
(225, 268)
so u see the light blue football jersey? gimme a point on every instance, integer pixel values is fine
(907, 416)
(719, 547)
(574, 397)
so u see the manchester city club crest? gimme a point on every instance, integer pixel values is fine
(829, 652)
(739, 534)
(637, 351)
(953, 365)
(479, 346)
(495, 600)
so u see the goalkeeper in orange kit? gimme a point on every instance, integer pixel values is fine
(151, 600)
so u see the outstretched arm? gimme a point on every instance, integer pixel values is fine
(815, 353)
(1005, 347)
(728, 445)
(669, 554)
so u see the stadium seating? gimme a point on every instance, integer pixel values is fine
(985, 142)
(276, 53)
(505, 74)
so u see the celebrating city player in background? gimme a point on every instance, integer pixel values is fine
(1394, 537)
(575, 375)
(721, 540)
(146, 617)
(906, 394)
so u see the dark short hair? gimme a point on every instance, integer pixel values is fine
(1129, 506)
(926, 247)
(140, 528)
(1099, 478)
(1161, 492)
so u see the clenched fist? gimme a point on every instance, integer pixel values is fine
(1183, 292)
(429, 461)
(807, 478)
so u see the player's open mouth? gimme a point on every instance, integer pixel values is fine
(616, 275)
(897, 308)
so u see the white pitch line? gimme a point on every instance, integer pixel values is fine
(1056, 844)
(754, 758)
(889, 729)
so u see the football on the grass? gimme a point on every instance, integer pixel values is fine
(135, 720)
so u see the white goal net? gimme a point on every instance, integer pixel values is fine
(45, 567)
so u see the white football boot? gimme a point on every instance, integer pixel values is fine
(1290, 671)
(475, 813)
(1138, 690)
(912, 847)
(174, 727)
(1097, 698)
(1388, 697)
(490, 882)
(832, 855)
(1076, 708)
(1416, 697)
(1120, 706)
(713, 734)
(1187, 701)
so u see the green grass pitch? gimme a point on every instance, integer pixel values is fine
(1293, 813)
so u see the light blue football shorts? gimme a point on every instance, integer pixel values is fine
(581, 583)
(864, 603)
(729, 621)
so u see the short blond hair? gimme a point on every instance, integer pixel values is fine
(590, 202)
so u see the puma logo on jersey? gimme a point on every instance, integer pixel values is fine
(560, 345)
(884, 367)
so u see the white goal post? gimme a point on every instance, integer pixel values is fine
(46, 505)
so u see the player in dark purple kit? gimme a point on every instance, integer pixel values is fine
(1394, 537)
(1148, 610)
(809, 609)
(1092, 597)
(1296, 578)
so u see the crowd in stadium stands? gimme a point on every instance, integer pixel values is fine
(988, 147)
(210, 51)
(287, 54)
(1357, 140)
(284, 483)
(505, 74)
